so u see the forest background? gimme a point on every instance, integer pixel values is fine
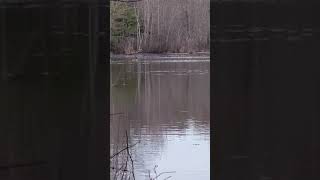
(160, 26)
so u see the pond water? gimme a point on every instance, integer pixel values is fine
(164, 108)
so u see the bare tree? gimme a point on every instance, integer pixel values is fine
(178, 25)
(172, 25)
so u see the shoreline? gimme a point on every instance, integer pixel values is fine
(161, 56)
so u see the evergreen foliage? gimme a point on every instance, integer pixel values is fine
(123, 24)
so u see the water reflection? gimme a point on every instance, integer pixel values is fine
(164, 107)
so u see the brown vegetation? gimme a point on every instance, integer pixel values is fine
(171, 25)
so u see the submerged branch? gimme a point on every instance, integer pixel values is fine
(124, 167)
(130, 156)
(158, 175)
(165, 173)
(123, 150)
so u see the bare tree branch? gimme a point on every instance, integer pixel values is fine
(128, 147)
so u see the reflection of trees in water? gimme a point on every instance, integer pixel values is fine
(121, 101)
(167, 99)
(162, 99)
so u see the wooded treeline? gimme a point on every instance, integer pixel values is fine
(160, 26)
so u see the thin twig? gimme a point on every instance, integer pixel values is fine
(130, 156)
(126, 167)
(123, 170)
(154, 170)
(123, 150)
(149, 175)
(164, 173)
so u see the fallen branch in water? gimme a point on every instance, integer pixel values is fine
(165, 173)
(130, 156)
(123, 170)
(158, 175)
(128, 147)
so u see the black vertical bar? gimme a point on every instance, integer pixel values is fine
(4, 123)
(99, 92)
(92, 58)
(46, 39)
(3, 41)
(105, 60)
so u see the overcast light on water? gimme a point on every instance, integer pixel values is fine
(165, 109)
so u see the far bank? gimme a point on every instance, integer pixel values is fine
(162, 56)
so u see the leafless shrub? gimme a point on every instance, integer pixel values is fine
(171, 26)
(174, 25)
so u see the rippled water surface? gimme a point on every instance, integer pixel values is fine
(164, 107)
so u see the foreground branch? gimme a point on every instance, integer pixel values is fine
(123, 150)
(130, 156)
